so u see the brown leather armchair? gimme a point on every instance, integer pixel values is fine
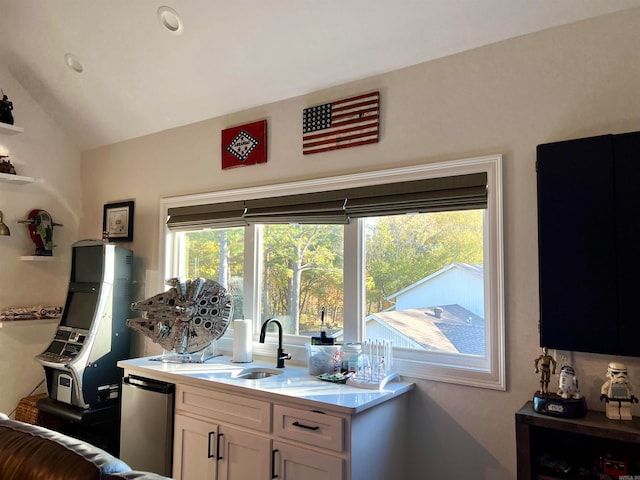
(31, 452)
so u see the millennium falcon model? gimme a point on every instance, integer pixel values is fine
(187, 317)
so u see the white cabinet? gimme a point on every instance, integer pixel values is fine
(242, 455)
(219, 436)
(194, 444)
(300, 433)
(224, 407)
(297, 463)
(232, 436)
(311, 427)
(203, 450)
(288, 427)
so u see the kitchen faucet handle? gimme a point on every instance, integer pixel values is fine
(282, 356)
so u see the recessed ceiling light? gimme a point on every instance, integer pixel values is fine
(170, 20)
(73, 63)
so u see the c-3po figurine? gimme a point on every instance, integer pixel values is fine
(546, 365)
(617, 392)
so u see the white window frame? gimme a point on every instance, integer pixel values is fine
(487, 372)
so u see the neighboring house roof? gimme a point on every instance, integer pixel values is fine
(445, 328)
(449, 328)
(471, 268)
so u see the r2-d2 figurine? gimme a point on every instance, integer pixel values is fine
(617, 392)
(568, 383)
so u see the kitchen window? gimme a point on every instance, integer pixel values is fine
(411, 255)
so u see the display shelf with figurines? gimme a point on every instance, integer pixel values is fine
(29, 315)
(6, 166)
(557, 437)
(8, 172)
(590, 447)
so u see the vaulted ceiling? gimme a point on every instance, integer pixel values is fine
(140, 77)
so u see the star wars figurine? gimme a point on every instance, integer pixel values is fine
(617, 392)
(568, 383)
(5, 109)
(41, 231)
(545, 365)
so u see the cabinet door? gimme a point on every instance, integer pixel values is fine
(577, 245)
(627, 179)
(296, 463)
(243, 455)
(194, 449)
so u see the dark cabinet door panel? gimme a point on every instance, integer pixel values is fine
(627, 198)
(577, 245)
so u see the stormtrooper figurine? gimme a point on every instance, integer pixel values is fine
(568, 383)
(617, 392)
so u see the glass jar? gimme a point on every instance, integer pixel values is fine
(352, 357)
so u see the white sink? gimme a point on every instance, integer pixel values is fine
(258, 373)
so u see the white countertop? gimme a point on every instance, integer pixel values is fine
(293, 384)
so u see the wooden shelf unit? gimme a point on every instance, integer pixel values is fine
(566, 438)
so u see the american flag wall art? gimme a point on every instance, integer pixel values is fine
(344, 123)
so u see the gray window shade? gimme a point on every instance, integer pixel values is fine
(321, 207)
(220, 215)
(429, 195)
(338, 206)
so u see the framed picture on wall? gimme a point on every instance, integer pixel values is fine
(244, 145)
(117, 221)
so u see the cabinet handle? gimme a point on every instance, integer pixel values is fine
(220, 435)
(302, 425)
(209, 454)
(273, 463)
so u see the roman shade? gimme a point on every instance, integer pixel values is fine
(212, 215)
(459, 192)
(320, 207)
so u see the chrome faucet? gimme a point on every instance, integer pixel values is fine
(281, 355)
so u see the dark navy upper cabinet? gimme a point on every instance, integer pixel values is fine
(589, 270)
(627, 214)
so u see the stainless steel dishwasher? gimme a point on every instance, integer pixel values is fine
(146, 427)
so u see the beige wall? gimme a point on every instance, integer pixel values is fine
(42, 152)
(506, 98)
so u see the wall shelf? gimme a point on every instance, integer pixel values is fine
(15, 179)
(37, 258)
(15, 323)
(7, 129)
